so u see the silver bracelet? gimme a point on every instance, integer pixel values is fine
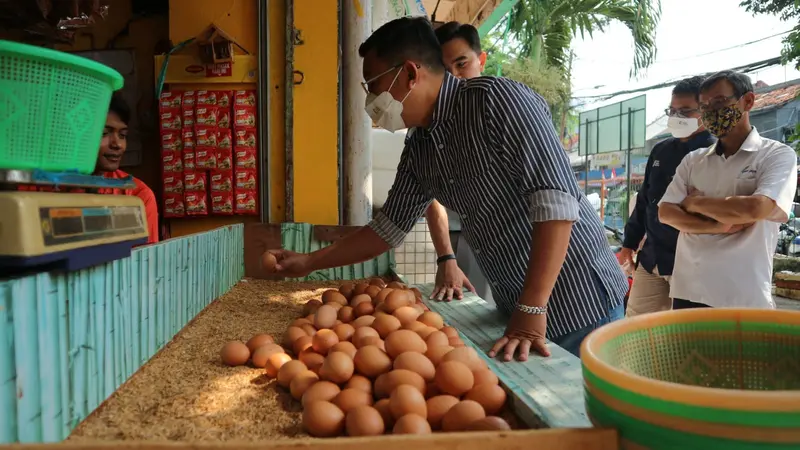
(535, 310)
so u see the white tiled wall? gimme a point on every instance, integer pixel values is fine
(416, 257)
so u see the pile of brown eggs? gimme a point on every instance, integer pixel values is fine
(371, 359)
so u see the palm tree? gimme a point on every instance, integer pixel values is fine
(543, 29)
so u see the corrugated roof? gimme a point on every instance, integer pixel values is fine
(776, 95)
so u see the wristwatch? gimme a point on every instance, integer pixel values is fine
(444, 258)
(535, 310)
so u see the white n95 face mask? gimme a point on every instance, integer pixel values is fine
(385, 111)
(682, 127)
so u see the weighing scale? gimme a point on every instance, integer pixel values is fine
(66, 231)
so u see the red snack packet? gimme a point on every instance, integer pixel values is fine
(188, 139)
(189, 99)
(244, 98)
(205, 137)
(195, 181)
(171, 140)
(246, 202)
(170, 100)
(224, 98)
(224, 139)
(245, 138)
(173, 183)
(188, 118)
(196, 203)
(222, 203)
(224, 159)
(245, 158)
(206, 115)
(224, 117)
(246, 179)
(170, 119)
(244, 117)
(206, 98)
(189, 160)
(171, 161)
(221, 181)
(205, 158)
(174, 206)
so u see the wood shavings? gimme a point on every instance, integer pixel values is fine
(185, 393)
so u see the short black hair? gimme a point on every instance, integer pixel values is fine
(406, 38)
(456, 30)
(120, 107)
(741, 83)
(689, 86)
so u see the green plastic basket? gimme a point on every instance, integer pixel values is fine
(53, 108)
(697, 379)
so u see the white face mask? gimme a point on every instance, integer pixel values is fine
(682, 127)
(385, 111)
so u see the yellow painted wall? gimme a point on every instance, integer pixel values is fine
(316, 109)
(277, 84)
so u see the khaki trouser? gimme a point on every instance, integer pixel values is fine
(649, 293)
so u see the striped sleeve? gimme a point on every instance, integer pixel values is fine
(406, 203)
(520, 121)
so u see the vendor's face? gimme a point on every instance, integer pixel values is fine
(113, 144)
(399, 80)
(461, 60)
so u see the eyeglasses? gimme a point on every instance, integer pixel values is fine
(718, 102)
(365, 84)
(680, 112)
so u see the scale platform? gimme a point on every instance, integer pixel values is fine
(64, 231)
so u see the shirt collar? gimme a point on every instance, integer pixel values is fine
(447, 97)
(751, 144)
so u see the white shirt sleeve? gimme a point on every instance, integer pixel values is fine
(777, 179)
(678, 189)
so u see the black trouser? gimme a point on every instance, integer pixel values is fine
(678, 303)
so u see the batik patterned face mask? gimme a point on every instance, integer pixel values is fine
(720, 122)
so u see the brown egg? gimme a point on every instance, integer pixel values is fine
(360, 382)
(302, 344)
(325, 317)
(456, 342)
(396, 299)
(289, 371)
(401, 341)
(338, 368)
(345, 347)
(363, 332)
(385, 324)
(485, 376)
(371, 340)
(435, 354)
(363, 321)
(375, 281)
(309, 329)
(312, 360)
(323, 419)
(382, 406)
(388, 382)
(468, 356)
(396, 285)
(406, 314)
(489, 423)
(346, 314)
(449, 331)
(491, 397)
(269, 262)
(346, 289)
(425, 332)
(311, 306)
(373, 291)
(301, 382)
(275, 362)
(293, 334)
(344, 331)
(371, 361)
(417, 293)
(324, 391)
(333, 296)
(454, 378)
(323, 341)
(381, 309)
(407, 399)
(359, 299)
(300, 322)
(259, 340)
(415, 326)
(336, 306)
(381, 297)
(462, 415)
(262, 354)
(349, 399)
(337, 323)
(438, 407)
(431, 319)
(411, 424)
(416, 362)
(437, 339)
(364, 421)
(419, 307)
(363, 309)
(235, 353)
(360, 288)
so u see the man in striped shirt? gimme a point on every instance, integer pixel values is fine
(486, 149)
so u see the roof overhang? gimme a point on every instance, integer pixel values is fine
(482, 14)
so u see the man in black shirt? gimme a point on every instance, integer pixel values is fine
(650, 290)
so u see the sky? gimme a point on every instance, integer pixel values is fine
(690, 39)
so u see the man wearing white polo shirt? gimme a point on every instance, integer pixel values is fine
(728, 201)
